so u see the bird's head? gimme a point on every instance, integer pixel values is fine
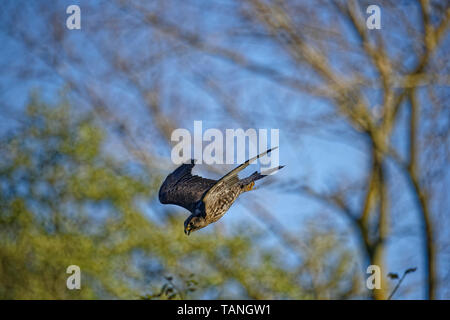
(194, 223)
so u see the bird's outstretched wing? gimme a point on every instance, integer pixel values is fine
(228, 180)
(183, 189)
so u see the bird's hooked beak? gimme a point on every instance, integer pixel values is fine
(187, 231)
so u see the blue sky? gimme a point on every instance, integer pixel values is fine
(324, 158)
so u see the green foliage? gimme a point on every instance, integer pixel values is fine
(66, 200)
(171, 291)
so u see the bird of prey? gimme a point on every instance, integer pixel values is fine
(207, 200)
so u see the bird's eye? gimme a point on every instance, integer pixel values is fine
(191, 224)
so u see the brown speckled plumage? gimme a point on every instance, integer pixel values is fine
(207, 200)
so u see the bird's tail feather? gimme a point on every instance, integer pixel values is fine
(259, 175)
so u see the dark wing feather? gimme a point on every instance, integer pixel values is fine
(228, 181)
(183, 189)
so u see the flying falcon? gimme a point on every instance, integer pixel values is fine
(207, 200)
